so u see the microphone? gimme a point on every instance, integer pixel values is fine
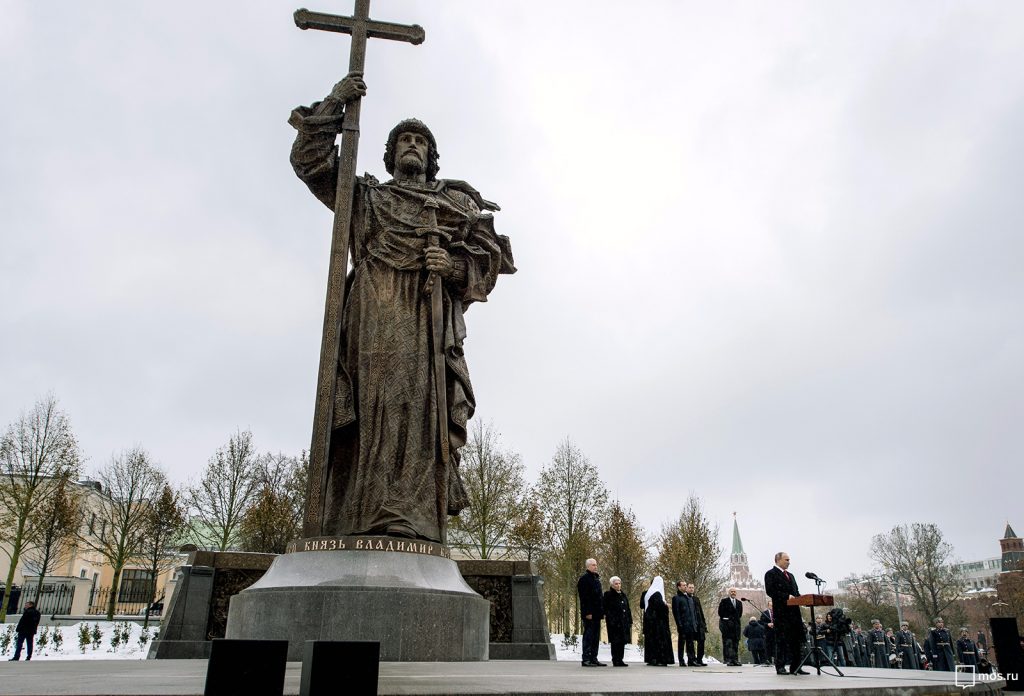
(811, 576)
(744, 599)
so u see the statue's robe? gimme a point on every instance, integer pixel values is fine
(385, 472)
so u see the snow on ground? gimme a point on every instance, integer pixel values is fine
(565, 650)
(130, 649)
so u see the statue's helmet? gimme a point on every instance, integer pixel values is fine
(412, 125)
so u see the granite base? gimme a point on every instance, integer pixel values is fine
(417, 606)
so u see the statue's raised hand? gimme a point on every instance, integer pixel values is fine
(351, 87)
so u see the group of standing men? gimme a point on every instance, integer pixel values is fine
(613, 607)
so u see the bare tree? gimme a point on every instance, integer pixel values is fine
(275, 516)
(493, 478)
(869, 598)
(131, 484)
(55, 521)
(573, 498)
(164, 525)
(220, 499)
(36, 450)
(622, 545)
(688, 549)
(922, 559)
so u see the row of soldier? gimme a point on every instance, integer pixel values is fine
(896, 649)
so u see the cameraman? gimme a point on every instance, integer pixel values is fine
(834, 647)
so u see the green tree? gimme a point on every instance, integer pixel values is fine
(493, 478)
(573, 498)
(622, 546)
(275, 517)
(688, 549)
(219, 500)
(131, 485)
(527, 533)
(36, 451)
(924, 562)
(163, 526)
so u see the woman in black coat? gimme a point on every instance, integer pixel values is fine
(619, 619)
(754, 633)
(657, 637)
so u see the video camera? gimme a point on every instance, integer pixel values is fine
(841, 623)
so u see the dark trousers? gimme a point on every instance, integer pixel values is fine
(700, 647)
(758, 656)
(29, 639)
(769, 645)
(591, 638)
(618, 652)
(730, 641)
(686, 644)
(789, 642)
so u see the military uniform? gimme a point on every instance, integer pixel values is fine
(905, 649)
(966, 653)
(942, 650)
(860, 649)
(879, 648)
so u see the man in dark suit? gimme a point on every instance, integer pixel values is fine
(730, 612)
(685, 614)
(768, 621)
(592, 610)
(780, 585)
(702, 625)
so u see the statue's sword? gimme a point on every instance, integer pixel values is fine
(434, 287)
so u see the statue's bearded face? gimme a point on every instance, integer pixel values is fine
(411, 153)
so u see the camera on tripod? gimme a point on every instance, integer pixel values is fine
(841, 623)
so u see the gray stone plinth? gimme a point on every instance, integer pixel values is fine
(417, 606)
(183, 629)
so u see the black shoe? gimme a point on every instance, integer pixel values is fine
(700, 664)
(619, 664)
(799, 671)
(782, 671)
(589, 664)
(599, 664)
(733, 664)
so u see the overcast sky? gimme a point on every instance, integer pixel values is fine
(770, 253)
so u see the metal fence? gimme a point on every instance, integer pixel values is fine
(51, 598)
(129, 602)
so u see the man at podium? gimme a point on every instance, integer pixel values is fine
(780, 585)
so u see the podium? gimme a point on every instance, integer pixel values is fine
(812, 600)
(815, 600)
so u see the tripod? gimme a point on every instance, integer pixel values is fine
(816, 651)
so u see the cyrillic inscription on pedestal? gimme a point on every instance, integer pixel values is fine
(369, 543)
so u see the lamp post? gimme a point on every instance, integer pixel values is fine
(896, 590)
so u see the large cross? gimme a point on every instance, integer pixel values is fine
(361, 27)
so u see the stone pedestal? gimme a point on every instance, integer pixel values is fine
(198, 610)
(519, 626)
(406, 594)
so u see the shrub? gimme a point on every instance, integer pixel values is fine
(144, 638)
(83, 636)
(5, 639)
(97, 635)
(57, 639)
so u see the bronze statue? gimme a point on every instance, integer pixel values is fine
(423, 249)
